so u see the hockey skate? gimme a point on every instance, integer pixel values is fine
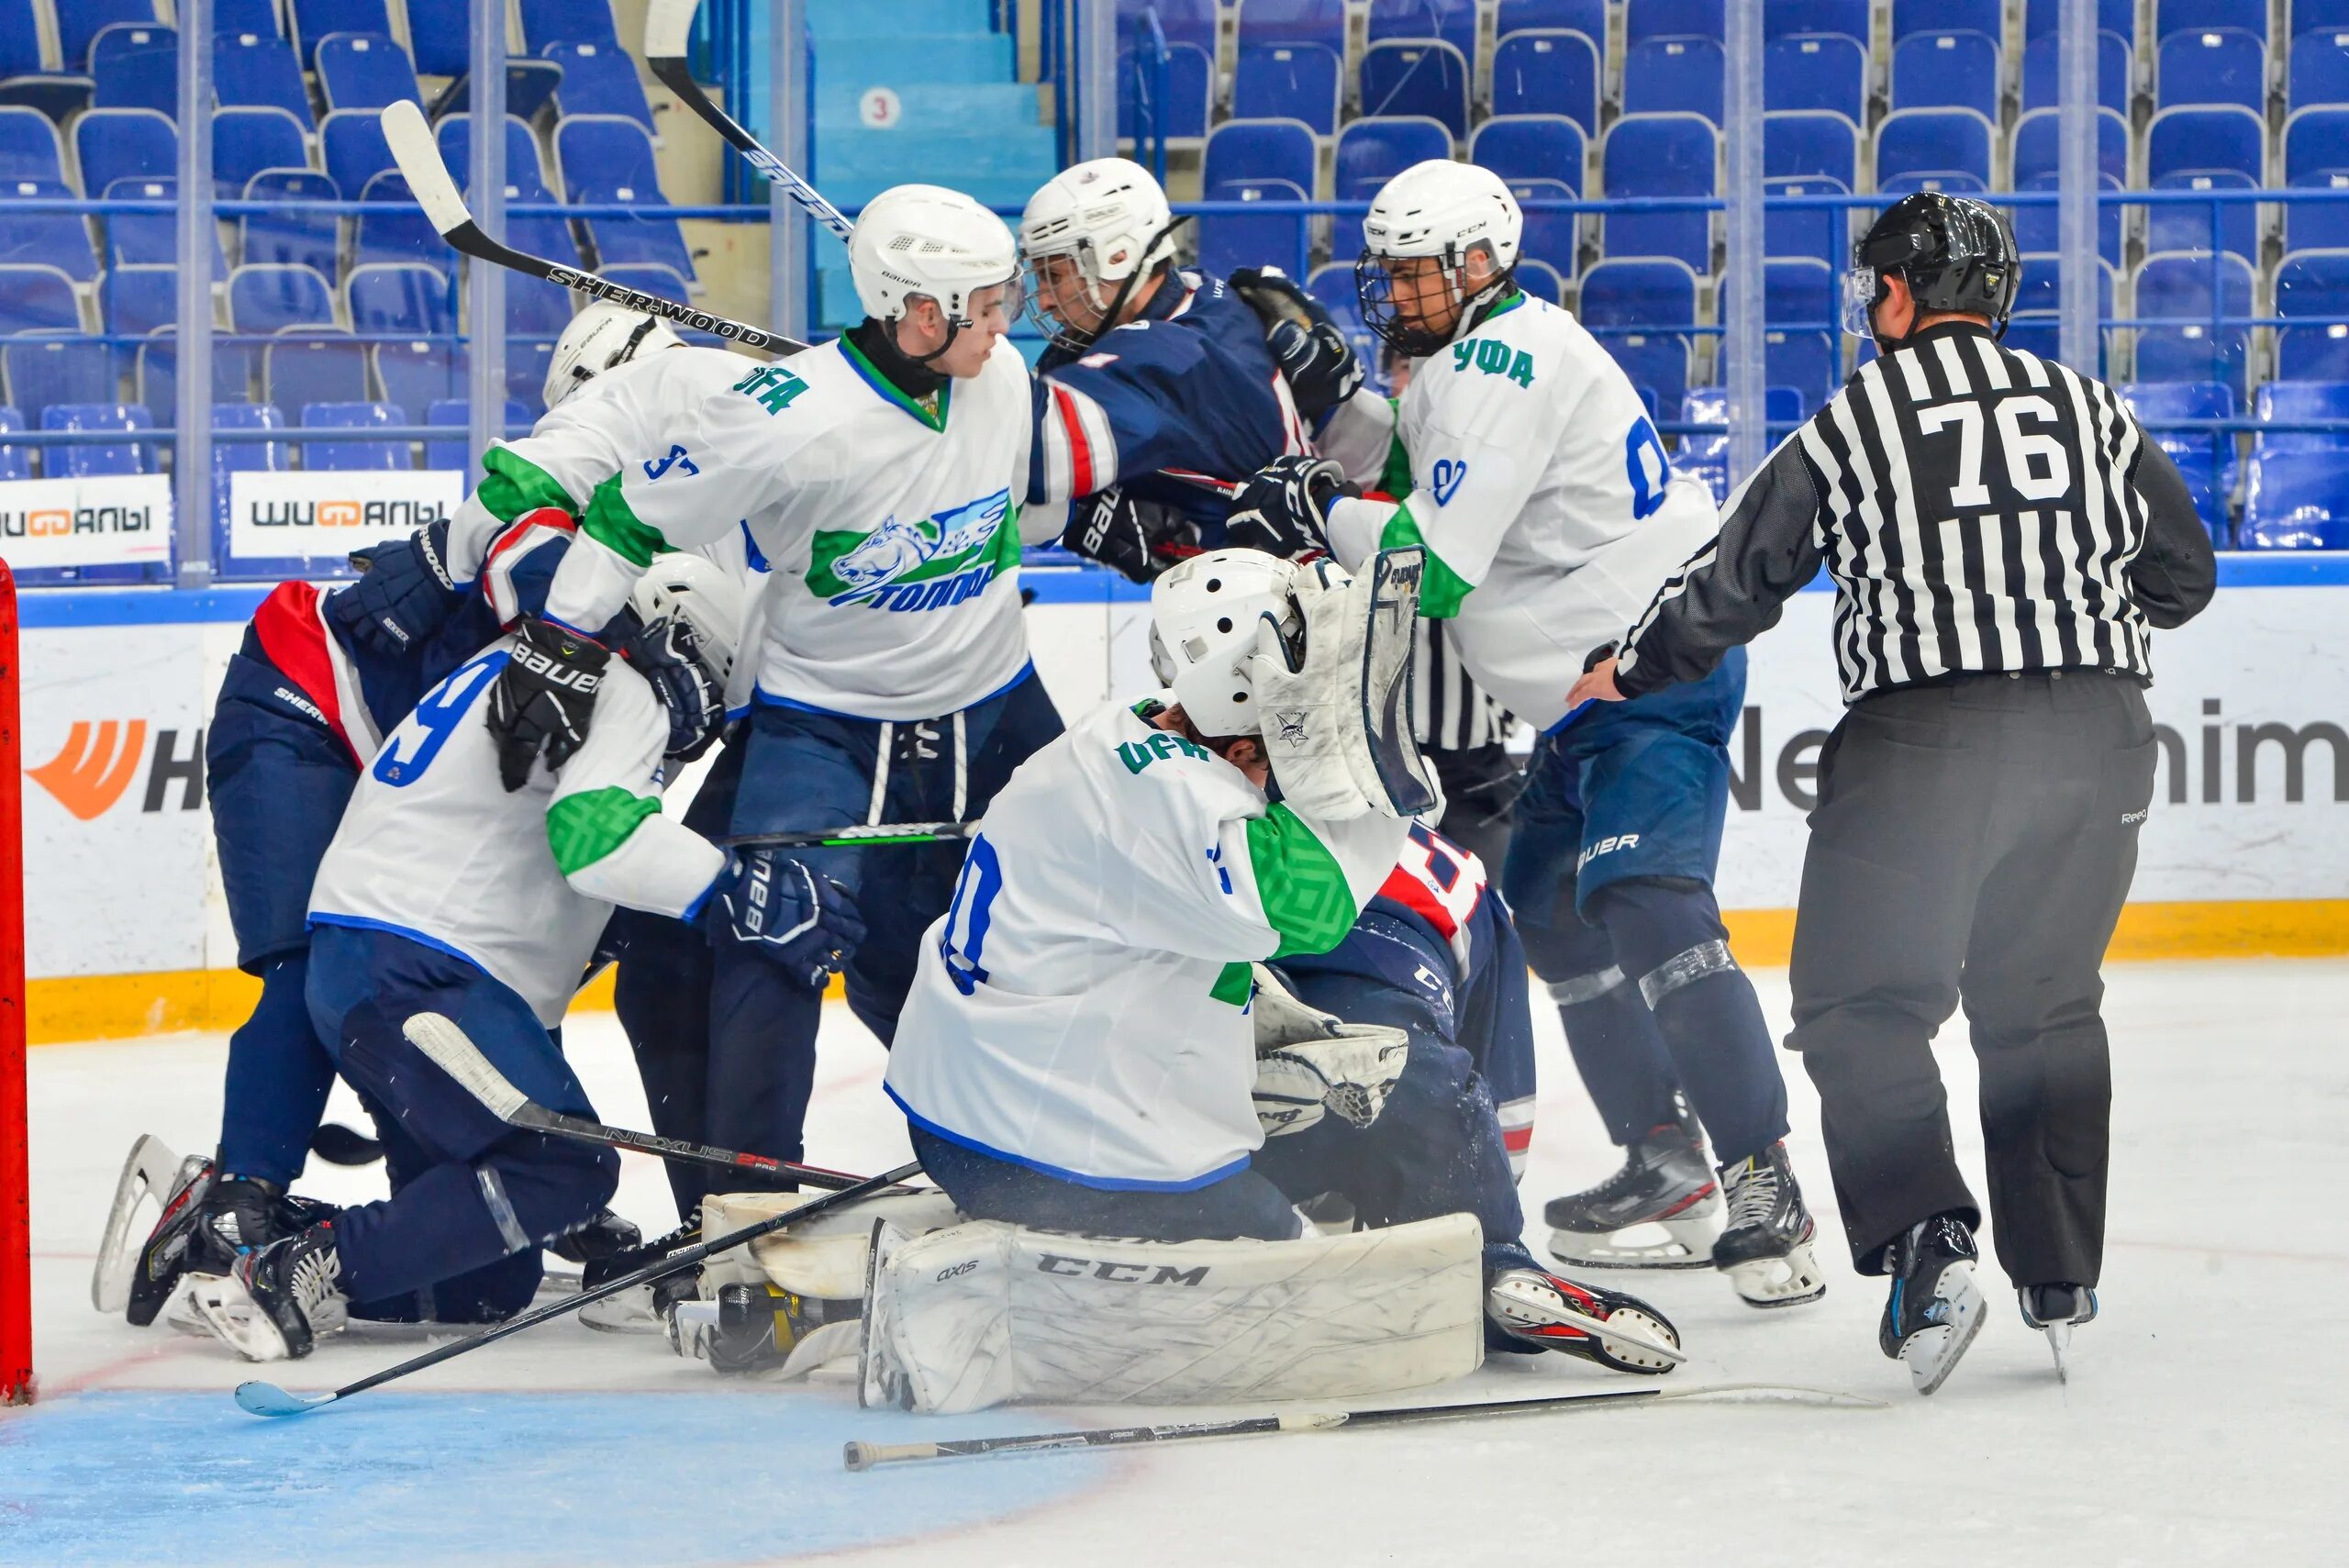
(1665, 1181)
(274, 1303)
(604, 1237)
(644, 1308)
(747, 1329)
(2055, 1310)
(1545, 1312)
(118, 1279)
(1935, 1309)
(1765, 1247)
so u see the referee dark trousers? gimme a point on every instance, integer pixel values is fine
(2000, 535)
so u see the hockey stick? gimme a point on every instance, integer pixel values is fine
(666, 25)
(834, 838)
(865, 1456)
(262, 1398)
(455, 1054)
(419, 157)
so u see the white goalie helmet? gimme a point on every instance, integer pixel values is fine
(600, 337)
(929, 242)
(1203, 619)
(1439, 209)
(706, 598)
(1109, 217)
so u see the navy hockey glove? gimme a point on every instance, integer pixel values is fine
(1320, 365)
(807, 923)
(665, 654)
(1284, 507)
(543, 699)
(1137, 539)
(403, 594)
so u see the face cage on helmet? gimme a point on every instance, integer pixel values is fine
(1048, 321)
(1374, 293)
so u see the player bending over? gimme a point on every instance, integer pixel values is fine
(1081, 1053)
(1538, 486)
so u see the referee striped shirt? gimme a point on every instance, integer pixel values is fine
(1451, 712)
(1978, 510)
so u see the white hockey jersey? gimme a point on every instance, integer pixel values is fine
(1542, 491)
(1082, 1007)
(891, 528)
(432, 847)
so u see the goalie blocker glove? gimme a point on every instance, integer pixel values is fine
(1320, 367)
(807, 923)
(1284, 507)
(543, 699)
(405, 592)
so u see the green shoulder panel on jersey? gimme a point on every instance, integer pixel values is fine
(1442, 589)
(1235, 986)
(612, 523)
(1395, 479)
(582, 828)
(513, 485)
(1300, 884)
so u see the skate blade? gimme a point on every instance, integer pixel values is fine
(1686, 1244)
(229, 1310)
(151, 1170)
(1607, 1331)
(2059, 1343)
(1934, 1353)
(1771, 1282)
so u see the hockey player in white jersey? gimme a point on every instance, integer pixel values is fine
(1081, 1051)
(1540, 487)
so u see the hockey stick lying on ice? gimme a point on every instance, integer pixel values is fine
(833, 838)
(262, 1398)
(865, 1456)
(413, 149)
(451, 1051)
(667, 24)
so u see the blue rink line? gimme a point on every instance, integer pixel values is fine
(702, 1479)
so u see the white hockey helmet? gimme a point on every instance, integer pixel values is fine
(1203, 619)
(711, 601)
(1110, 217)
(1440, 210)
(604, 336)
(926, 241)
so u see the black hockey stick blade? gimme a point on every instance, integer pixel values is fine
(262, 1398)
(667, 24)
(833, 838)
(419, 157)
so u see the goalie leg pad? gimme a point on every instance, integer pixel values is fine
(989, 1313)
(823, 1259)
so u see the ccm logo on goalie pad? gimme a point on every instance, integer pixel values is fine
(1118, 1272)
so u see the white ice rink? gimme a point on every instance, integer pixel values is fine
(2207, 1421)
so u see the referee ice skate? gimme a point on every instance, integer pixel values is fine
(2000, 534)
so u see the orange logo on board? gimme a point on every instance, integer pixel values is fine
(95, 768)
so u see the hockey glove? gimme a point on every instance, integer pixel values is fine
(666, 654)
(1320, 365)
(544, 698)
(1349, 1076)
(403, 596)
(1284, 507)
(807, 923)
(1137, 539)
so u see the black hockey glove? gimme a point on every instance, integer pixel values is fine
(404, 594)
(1137, 539)
(771, 901)
(1284, 507)
(666, 654)
(1320, 365)
(544, 698)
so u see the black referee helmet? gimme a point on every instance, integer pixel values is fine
(1956, 254)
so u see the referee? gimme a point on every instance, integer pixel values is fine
(2000, 534)
(1464, 731)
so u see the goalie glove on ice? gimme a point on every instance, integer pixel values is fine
(405, 592)
(793, 916)
(544, 698)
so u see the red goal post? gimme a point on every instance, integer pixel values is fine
(16, 1201)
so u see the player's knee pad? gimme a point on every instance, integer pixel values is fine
(989, 1313)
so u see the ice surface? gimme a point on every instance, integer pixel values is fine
(2207, 1421)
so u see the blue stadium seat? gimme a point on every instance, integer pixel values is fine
(315, 365)
(1673, 76)
(234, 367)
(535, 313)
(526, 177)
(393, 297)
(2297, 500)
(1911, 18)
(244, 457)
(1633, 308)
(605, 152)
(2205, 461)
(120, 144)
(346, 456)
(1808, 359)
(2319, 72)
(2224, 65)
(2040, 17)
(1299, 82)
(1588, 18)
(2041, 227)
(398, 230)
(2172, 17)
(1707, 456)
(1811, 142)
(1181, 21)
(134, 302)
(315, 21)
(271, 298)
(37, 297)
(296, 233)
(247, 17)
(2042, 71)
(1293, 21)
(1418, 78)
(1332, 284)
(88, 461)
(1530, 147)
(2316, 225)
(1453, 21)
(1934, 144)
(2036, 326)
(28, 146)
(2178, 287)
(15, 458)
(259, 69)
(1552, 237)
(1644, 19)
(651, 278)
(417, 374)
(599, 80)
(457, 413)
(2214, 137)
(2315, 16)
(2033, 165)
(1806, 232)
(246, 140)
(136, 67)
(1541, 280)
(438, 34)
(1816, 70)
(1190, 89)
(1849, 17)
(574, 21)
(350, 145)
(142, 239)
(2315, 139)
(1370, 154)
(365, 71)
(2313, 282)
(21, 52)
(2173, 226)
(1946, 70)
(2285, 402)
(43, 369)
(1231, 241)
(57, 238)
(79, 22)
(1661, 155)
(1547, 73)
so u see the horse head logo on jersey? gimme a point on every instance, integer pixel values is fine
(904, 565)
(887, 553)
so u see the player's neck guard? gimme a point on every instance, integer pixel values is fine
(915, 378)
